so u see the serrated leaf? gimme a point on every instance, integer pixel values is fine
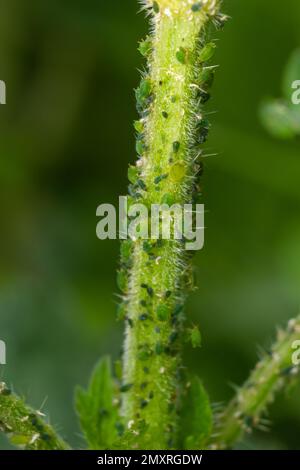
(95, 409)
(196, 418)
(291, 74)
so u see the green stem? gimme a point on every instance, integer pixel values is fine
(156, 275)
(24, 426)
(269, 376)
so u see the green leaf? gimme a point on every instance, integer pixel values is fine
(95, 409)
(196, 418)
(291, 73)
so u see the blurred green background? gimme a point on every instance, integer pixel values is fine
(66, 140)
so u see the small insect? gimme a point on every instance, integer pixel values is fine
(151, 395)
(143, 316)
(125, 388)
(196, 7)
(181, 55)
(155, 7)
(176, 146)
(145, 47)
(160, 178)
(165, 114)
(168, 199)
(138, 126)
(140, 147)
(141, 184)
(144, 403)
(207, 52)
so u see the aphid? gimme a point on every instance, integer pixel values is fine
(145, 47)
(150, 291)
(151, 395)
(122, 280)
(181, 55)
(196, 7)
(207, 52)
(195, 336)
(126, 248)
(143, 303)
(155, 7)
(168, 199)
(160, 178)
(143, 316)
(177, 171)
(162, 312)
(207, 77)
(165, 114)
(176, 146)
(173, 98)
(168, 293)
(147, 246)
(144, 403)
(139, 147)
(120, 428)
(141, 184)
(125, 388)
(139, 126)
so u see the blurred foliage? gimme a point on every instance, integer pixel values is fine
(66, 141)
(281, 117)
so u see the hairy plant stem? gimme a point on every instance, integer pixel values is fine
(269, 376)
(156, 274)
(24, 426)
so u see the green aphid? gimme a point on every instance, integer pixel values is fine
(207, 77)
(143, 93)
(159, 348)
(181, 55)
(168, 199)
(207, 52)
(160, 178)
(145, 47)
(122, 280)
(133, 174)
(195, 337)
(126, 249)
(151, 395)
(125, 388)
(173, 98)
(165, 114)
(162, 312)
(141, 184)
(196, 7)
(140, 147)
(177, 172)
(176, 146)
(121, 312)
(155, 7)
(143, 303)
(139, 126)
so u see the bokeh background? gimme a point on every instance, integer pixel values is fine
(66, 139)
